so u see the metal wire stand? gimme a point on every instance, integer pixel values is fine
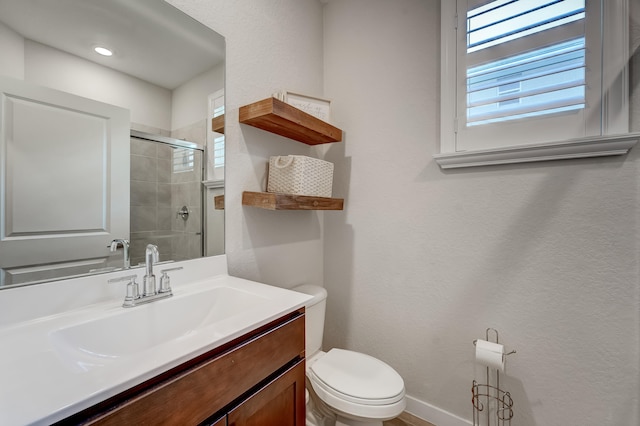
(496, 403)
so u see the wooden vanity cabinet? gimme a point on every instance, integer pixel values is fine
(255, 380)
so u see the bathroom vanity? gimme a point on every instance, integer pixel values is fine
(221, 351)
(256, 379)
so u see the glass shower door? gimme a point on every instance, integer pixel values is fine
(166, 199)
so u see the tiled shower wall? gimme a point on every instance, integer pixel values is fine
(157, 194)
(187, 190)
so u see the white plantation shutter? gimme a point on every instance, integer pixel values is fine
(215, 141)
(544, 81)
(218, 152)
(540, 81)
(218, 141)
(500, 21)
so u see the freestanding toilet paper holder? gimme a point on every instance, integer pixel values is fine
(488, 396)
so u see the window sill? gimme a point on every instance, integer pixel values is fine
(600, 146)
(213, 184)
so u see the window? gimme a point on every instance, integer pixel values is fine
(218, 141)
(183, 159)
(218, 152)
(507, 88)
(215, 140)
(543, 82)
(546, 79)
(522, 72)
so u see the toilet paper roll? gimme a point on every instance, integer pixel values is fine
(490, 354)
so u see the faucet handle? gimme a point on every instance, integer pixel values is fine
(165, 280)
(133, 291)
(125, 278)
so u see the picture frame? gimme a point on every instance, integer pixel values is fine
(318, 107)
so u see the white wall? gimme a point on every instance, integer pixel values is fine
(149, 104)
(189, 102)
(422, 260)
(270, 46)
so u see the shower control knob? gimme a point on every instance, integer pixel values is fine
(184, 213)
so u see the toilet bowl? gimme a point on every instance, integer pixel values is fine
(350, 388)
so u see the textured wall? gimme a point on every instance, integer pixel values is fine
(270, 46)
(422, 260)
(189, 102)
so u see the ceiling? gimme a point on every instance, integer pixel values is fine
(151, 39)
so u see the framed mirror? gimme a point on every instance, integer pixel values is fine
(106, 138)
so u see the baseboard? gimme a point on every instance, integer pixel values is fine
(432, 414)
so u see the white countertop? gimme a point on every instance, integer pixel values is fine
(41, 383)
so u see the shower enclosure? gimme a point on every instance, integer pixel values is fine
(166, 197)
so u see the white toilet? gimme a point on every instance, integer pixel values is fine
(350, 388)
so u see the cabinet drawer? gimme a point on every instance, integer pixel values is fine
(194, 395)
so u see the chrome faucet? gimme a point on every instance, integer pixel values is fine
(125, 245)
(149, 292)
(151, 255)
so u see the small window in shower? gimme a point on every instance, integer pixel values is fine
(183, 160)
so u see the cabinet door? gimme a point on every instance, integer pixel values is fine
(281, 402)
(221, 422)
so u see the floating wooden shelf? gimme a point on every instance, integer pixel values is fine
(275, 201)
(218, 202)
(217, 124)
(285, 120)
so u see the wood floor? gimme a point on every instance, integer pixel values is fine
(406, 419)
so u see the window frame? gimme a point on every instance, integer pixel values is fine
(216, 142)
(611, 136)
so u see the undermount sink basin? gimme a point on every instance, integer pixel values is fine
(130, 331)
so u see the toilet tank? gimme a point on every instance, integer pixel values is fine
(314, 316)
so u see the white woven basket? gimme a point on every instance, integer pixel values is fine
(300, 175)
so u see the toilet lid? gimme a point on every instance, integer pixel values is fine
(359, 376)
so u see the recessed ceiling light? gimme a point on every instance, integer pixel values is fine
(103, 51)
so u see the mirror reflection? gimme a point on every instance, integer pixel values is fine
(106, 139)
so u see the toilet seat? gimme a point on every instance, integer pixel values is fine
(358, 378)
(358, 384)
